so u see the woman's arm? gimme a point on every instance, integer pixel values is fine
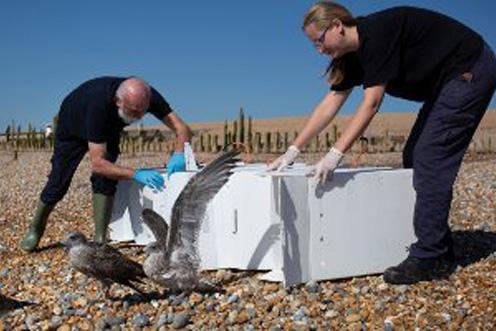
(320, 118)
(323, 114)
(372, 99)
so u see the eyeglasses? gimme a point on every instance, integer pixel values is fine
(320, 41)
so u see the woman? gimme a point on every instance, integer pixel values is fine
(414, 54)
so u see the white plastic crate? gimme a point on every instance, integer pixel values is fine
(359, 223)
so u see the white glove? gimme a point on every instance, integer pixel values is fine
(284, 160)
(326, 166)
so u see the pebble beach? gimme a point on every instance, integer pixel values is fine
(67, 300)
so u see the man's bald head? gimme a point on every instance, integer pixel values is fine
(133, 97)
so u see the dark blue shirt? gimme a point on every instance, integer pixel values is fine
(89, 112)
(411, 50)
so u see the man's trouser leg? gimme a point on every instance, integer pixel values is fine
(436, 149)
(103, 196)
(66, 157)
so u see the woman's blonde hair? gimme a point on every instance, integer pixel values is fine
(322, 14)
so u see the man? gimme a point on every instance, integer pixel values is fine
(91, 118)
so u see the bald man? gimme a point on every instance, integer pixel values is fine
(91, 119)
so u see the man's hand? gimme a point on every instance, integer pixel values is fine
(325, 167)
(150, 178)
(176, 163)
(284, 160)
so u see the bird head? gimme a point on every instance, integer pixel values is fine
(154, 247)
(74, 239)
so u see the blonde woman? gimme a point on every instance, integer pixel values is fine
(414, 54)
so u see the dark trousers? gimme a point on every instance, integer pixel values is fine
(67, 155)
(435, 150)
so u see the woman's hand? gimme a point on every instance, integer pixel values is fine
(324, 169)
(284, 160)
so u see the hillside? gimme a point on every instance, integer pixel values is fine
(398, 123)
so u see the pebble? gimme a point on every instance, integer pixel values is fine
(31, 319)
(100, 325)
(195, 299)
(299, 315)
(57, 310)
(155, 304)
(331, 314)
(4, 272)
(114, 320)
(462, 312)
(233, 298)
(383, 287)
(252, 312)
(126, 305)
(177, 300)
(447, 317)
(64, 327)
(56, 321)
(342, 292)
(181, 320)
(388, 325)
(163, 319)
(43, 268)
(141, 320)
(313, 287)
(353, 318)
(401, 288)
(81, 312)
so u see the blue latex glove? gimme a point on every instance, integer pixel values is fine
(177, 162)
(150, 178)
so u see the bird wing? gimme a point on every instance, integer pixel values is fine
(189, 208)
(108, 263)
(157, 225)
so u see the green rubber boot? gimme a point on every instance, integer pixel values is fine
(37, 227)
(102, 210)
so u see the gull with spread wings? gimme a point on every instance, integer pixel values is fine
(172, 260)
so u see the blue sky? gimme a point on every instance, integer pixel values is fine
(208, 58)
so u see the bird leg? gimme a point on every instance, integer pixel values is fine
(106, 290)
(141, 293)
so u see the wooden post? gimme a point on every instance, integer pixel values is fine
(241, 126)
(268, 142)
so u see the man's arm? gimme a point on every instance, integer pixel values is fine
(104, 167)
(182, 131)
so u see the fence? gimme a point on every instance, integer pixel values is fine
(239, 131)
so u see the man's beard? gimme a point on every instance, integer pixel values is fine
(126, 118)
